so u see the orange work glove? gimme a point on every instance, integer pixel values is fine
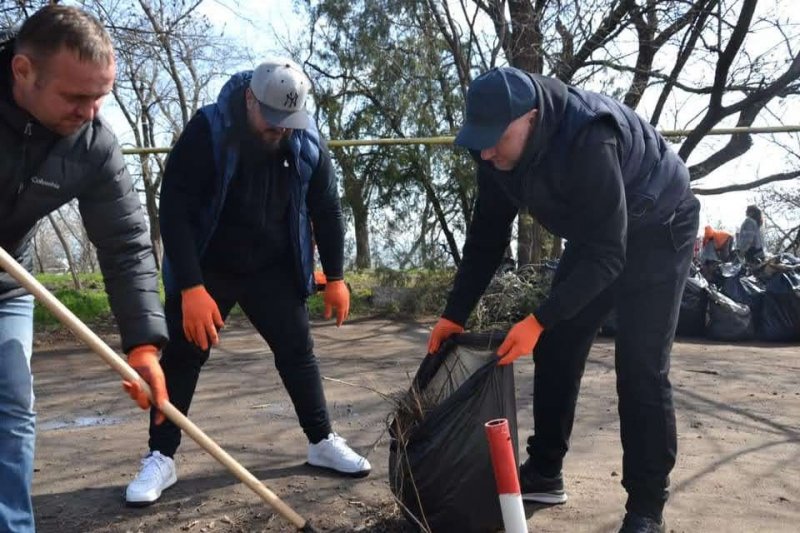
(520, 340)
(337, 295)
(201, 318)
(441, 331)
(144, 359)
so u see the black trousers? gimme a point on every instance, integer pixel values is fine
(647, 299)
(272, 303)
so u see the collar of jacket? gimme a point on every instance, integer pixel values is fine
(17, 118)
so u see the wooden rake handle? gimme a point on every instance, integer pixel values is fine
(10, 265)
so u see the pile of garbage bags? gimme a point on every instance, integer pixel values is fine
(735, 302)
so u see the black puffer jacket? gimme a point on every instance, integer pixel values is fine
(40, 171)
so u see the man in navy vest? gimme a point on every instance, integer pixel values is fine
(242, 186)
(593, 172)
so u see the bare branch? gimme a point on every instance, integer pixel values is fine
(782, 176)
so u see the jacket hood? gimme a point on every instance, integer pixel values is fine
(552, 98)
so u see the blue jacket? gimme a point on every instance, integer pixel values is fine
(307, 150)
(593, 172)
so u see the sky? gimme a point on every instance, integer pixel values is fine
(266, 26)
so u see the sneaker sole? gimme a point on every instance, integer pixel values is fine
(145, 503)
(547, 498)
(356, 475)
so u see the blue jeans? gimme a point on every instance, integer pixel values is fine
(17, 418)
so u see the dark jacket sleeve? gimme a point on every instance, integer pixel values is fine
(187, 184)
(115, 223)
(488, 236)
(598, 192)
(326, 216)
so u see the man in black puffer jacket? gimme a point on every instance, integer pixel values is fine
(53, 149)
(593, 172)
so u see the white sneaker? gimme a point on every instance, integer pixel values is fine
(334, 454)
(156, 475)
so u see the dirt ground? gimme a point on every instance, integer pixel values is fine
(738, 420)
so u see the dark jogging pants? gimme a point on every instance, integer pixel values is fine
(272, 303)
(647, 299)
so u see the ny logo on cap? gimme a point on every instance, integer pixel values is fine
(291, 99)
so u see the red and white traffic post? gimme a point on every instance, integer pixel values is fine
(505, 474)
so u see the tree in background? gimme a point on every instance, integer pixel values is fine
(375, 77)
(694, 65)
(693, 53)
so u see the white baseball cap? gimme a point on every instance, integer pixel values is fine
(280, 86)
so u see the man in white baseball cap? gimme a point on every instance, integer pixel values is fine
(243, 185)
(281, 87)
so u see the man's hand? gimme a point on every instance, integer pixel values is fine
(520, 340)
(201, 317)
(144, 359)
(337, 295)
(441, 331)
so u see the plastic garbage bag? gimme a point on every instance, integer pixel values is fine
(692, 316)
(728, 320)
(780, 311)
(440, 469)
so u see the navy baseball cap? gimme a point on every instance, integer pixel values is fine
(494, 100)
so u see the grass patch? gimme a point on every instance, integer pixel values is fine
(391, 293)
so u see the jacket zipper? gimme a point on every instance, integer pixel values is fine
(26, 139)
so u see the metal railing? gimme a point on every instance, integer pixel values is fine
(447, 140)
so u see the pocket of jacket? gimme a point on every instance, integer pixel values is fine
(639, 205)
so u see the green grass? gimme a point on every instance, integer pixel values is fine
(427, 290)
(90, 304)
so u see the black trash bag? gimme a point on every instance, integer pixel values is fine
(692, 316)
(747, 290)
(730, 270)
(439, 463)
(728, 320)
(780, 311)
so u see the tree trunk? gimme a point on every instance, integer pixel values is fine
(524, 239)
(70, 262)
(538, 238)
(36, 253)
(361, 223)
(155, 226)
(557, 248)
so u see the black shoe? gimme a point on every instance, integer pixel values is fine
(636, 523)
(540, 489)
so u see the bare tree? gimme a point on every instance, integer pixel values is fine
(714, 48)
(168, 53)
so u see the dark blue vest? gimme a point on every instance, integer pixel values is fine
(654, 176)
(304, 146)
